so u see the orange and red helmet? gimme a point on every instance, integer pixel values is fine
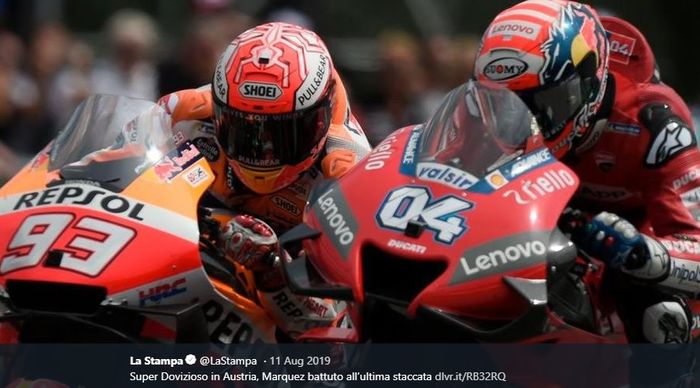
(554, 55)
(272, 92)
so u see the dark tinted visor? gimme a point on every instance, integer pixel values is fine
(269, 141)
(556, 105)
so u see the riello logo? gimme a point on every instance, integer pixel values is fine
(504, 68)
(534, 189)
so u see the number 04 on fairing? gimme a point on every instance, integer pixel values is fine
(447, 231)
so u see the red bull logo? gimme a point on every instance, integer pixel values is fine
(171, 165)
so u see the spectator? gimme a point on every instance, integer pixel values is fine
(292, 16)
(440, 62)
(206, 37)
(451, 60)
(464, 54)
(129, 69)
(72, 84)
(31, 128)
(18, 92)
(47, 53)
(409, 99)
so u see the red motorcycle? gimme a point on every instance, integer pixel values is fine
(448, 232)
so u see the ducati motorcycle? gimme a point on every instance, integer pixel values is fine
(447, 232)
(102, 239)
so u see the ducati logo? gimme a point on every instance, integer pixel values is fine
(604, 160)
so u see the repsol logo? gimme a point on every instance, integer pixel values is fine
(225, 325)
(72, 195)
(294, 307)
(335, 219)
(502, 69)
(500, 257)
(260, 90)
(286, 205)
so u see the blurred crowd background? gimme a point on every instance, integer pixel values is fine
(398, 57)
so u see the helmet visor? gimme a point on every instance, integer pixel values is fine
(556, 105)
(269, 141)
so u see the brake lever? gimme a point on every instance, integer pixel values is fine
(208, 225)
(209, 229)
(572, 222)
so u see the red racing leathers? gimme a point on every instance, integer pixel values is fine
(643, 163)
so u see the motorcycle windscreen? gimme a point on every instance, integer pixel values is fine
(110, 140)
(478, 128)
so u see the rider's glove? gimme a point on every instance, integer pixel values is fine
(620, 245)
(615, 241)
(252, 243)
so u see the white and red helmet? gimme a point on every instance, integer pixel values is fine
(272, 92)
(554, 55)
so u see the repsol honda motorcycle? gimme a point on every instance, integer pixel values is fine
(102, 239)
(448, 232)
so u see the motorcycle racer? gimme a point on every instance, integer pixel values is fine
(594, 88)
(279, 121)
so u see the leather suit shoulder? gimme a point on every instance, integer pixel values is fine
(188, 104)
(661, 116)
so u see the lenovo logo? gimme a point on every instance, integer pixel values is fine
(499, 257)
(519, 28)
(502, 255)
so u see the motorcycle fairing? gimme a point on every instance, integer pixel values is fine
(156, 264)
(346, 214)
